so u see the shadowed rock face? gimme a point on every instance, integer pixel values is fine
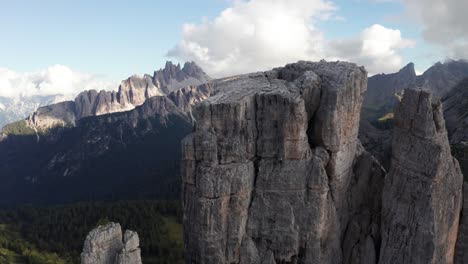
(84, 161)
(382, 87)
(455, 112)
(104, 245)
(274, 173)
(439, 79)
(461, 251)
(422, 193)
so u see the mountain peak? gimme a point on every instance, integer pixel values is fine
(408, 69)
(192, 69)
(173, 77)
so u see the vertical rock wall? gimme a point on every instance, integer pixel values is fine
(267, 170)
(273, 173)
(461, 250)
(423, 190)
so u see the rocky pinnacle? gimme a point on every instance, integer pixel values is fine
(422, 194)
(104, 245)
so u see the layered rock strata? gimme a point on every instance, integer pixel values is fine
(274, 173)
(422, 194)
(104, 245)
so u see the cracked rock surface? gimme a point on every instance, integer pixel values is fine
(104, 245)
(461, 250)
(422, 195)
(274, 172)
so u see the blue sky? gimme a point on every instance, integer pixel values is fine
(115, 38)
(119, 38)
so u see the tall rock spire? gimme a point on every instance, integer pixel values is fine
(423, 191)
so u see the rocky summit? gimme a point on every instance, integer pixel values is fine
(422, 195)
(104, 245)
(274, 173)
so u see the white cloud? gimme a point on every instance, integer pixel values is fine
(376, 47)
(255, 35)
(55, 80)
(444, 23)
(260, 34)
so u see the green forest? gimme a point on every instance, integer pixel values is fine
(50, 235)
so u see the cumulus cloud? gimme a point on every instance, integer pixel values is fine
(260, 34)
(444, 23)
(55, 80)
(376, 47)
(255, 35)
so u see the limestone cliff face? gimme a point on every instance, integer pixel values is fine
(274, 173)
(104, 245)
(423, 191)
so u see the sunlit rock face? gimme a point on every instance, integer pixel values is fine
(422, 195)
(104, 245)
(274, 173)
(132, 92)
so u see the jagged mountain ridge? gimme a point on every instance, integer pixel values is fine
(128, 138)
(131, 93)
(125, 155)
(14, 109)
(456, 112)
(383, 89)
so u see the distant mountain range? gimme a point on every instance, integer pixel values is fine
(126, 144)
(104, 145)
(131, 93)
(384, 89)
(456, 112)
(14, 109)
(448, 81)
